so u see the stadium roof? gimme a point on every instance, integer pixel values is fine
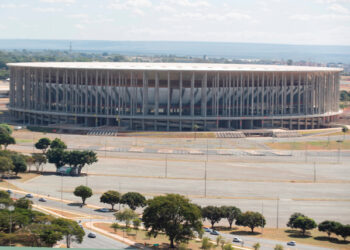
(173, 66)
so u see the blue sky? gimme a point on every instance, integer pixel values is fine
(325, 22)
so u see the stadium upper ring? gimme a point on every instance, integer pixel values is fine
(174, 96)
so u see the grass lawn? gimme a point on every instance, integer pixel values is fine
(314, 145)
(314, 237)
(141, 237)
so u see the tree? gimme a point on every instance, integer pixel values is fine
(251, 220)
(50, 234)
(84, 192)
(5, 137)
(256, 246)
(19, 163)
(304, 223)
(206, 243)
(127, 216)
(278, 247)
(110, 197)
(292, 218)
(136, 224)
(56, 156)
(343, 231)
(78, 159)
(344, 130)
(5, 164)
(115, 226)
(58, 144)
(6, 127)
(43, 144)
(228, 247)
(174, 215)
(39, 160)
(328, 227)
(23, 203)
(70, 229)
(133, 200)
(5, 198)
(231, 213)
(213, 214)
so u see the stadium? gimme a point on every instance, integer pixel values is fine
(174, 96)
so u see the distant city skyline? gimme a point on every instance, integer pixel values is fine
(323, 22)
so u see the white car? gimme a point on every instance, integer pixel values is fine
(236, 239)
(291, 243)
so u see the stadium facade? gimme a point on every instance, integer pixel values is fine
(173, 96)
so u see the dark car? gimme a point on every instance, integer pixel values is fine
(104, 210)
(9, 191)
(42, 199)
(29, 196)
(92, 235)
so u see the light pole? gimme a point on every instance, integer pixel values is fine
(314, 171)
(205, 179)
(166, 165)
(61, 192)
(207, 150)
(277, 211)
(11, 208)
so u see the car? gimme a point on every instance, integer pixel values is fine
(104, 210)
(92, 235)
(9, 191)
(214, 232)
(291, 243)
(208, 230)
(236, 239)
(42, 199)
(29, 196)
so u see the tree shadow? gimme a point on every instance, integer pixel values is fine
(333, 240)
(244, 233)
(297, 234)
(74, 204)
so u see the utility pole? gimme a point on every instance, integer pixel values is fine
(314, 171)
(278, 208)
(166, 165)
(205, 179)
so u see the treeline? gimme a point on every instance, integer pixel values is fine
(20, 225)
(52, 56)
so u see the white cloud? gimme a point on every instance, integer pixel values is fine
(12, 6)
(58, 1)
(188, 3)
(48, 10)
(86, 19)
(80, 26)
(338, 8)
(327, 17)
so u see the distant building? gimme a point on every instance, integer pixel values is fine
(174, 96)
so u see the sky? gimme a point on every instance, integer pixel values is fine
(323, 22)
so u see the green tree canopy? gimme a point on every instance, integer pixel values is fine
(7, 128)
(231, 213)
(78, 159)
(39, 160)
(174, 215)
(5, 164)
(213, 214)
(84, 192)
(328, 227)
(70, 229)
(19, 163)
(292, 218)
(58, 144)
(343, 231)
(133, 200)
(6, 138)
(251, 220)
(23, 203)
(43, 144)
(127, 215)
(110, 197)
(56, 156)
(304, 223)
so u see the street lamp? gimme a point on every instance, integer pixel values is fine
(11, 208)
